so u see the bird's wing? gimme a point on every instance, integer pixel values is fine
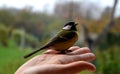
(61, 37)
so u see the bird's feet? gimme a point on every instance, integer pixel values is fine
(66, 51)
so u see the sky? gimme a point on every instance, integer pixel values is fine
(42, 5)
(38, 5)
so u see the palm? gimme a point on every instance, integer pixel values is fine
(51, 63)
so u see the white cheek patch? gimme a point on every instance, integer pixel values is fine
(67, 27)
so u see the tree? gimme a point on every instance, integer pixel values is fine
(93, 43)
(6, 17)
(67, 10)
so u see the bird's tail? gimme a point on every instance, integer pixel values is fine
(28, 55)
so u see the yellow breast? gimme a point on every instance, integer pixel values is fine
(65, 45)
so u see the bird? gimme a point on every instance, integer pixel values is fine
(63, 40)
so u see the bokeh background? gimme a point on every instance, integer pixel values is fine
(26, 25)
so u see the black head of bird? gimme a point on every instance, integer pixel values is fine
(70, 26)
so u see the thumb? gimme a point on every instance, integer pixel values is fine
(79, 66)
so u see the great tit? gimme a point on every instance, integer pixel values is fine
(62, 41)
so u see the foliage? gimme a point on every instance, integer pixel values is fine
(40, 26)
(11, 57)
(6, 17)
(3, 35)
(116, 28)
(107, 61)
(29, 39)
(110, 41)
(16, 36)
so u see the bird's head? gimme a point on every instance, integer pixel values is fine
(70, 26)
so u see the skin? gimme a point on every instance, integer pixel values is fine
(51, 62)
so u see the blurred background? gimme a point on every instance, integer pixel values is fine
(26, 25)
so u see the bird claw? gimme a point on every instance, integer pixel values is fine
(64, 52)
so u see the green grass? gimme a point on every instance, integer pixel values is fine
(11, 58)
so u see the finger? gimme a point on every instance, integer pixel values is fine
(75, 58)
(79, 66)
(74, 48)
(50, 51)
(80, 51)
(83, 57)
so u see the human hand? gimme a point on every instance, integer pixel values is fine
(51, 62)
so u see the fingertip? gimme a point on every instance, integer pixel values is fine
(86, 57)
(81, 66)
(86, 48)
(74, 48)
(78, 51)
